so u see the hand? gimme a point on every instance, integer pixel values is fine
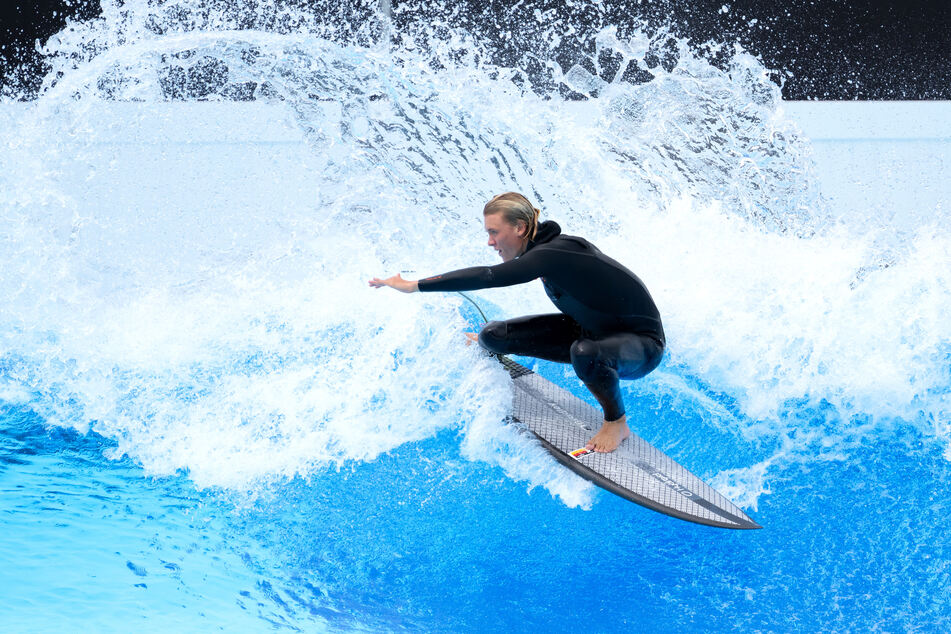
(397, 282)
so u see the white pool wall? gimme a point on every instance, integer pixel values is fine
(886, 159)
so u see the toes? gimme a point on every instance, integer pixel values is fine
(603, 445)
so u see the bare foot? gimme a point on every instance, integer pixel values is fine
(610, 436)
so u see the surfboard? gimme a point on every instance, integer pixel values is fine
(636, 471)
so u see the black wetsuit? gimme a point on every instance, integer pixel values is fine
(609, 329)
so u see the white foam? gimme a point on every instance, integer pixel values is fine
(515, 449)
(189, 279)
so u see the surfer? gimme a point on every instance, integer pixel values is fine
(608, 328)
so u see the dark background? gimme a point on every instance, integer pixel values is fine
(824, 49)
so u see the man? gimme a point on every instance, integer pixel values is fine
(609, 327)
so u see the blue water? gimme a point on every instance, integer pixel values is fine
(422, 538)
(209, 422)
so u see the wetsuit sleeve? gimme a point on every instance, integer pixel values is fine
(518, 271)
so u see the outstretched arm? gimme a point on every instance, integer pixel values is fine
(397, 282)
(518, 271)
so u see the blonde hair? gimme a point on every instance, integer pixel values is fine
(514, 208)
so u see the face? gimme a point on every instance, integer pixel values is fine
(508, 240)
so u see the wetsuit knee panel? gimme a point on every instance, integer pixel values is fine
(584, 357)
(493, 337)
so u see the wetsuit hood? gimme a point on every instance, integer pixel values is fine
(546, 232)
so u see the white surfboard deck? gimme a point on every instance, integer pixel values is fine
(636, 471)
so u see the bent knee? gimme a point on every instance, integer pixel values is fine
(585, 355)
(493, 338)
